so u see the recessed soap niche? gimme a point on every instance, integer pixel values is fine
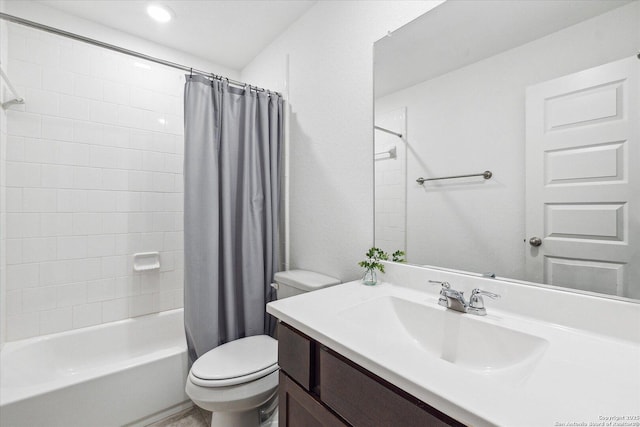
(146, 261)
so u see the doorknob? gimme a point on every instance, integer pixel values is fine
(535, 241)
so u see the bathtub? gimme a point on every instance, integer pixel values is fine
(129, 372)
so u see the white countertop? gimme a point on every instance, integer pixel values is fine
(581, 378)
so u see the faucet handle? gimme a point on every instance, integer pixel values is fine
(445, 285)
(478, 291)
(476, 303)
(443, 290)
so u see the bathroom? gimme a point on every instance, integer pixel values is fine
(320, 56)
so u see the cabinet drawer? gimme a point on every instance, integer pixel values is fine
(365, 400)
(295, 355)
(298, 408)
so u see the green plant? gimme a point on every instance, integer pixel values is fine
(374, 256)
(398, 256)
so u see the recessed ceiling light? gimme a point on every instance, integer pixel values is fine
(159, 13)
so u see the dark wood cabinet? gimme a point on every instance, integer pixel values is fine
(301, 409)
(319, 387)
(295, 351)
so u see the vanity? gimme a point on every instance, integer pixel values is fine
(317, 383)
(391, 355)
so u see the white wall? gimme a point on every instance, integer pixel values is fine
(471, 120)
(329, 51)
(3, 150)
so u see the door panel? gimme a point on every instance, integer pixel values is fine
(602, 162)
(584, 107)
(602, 221)
(601, 277)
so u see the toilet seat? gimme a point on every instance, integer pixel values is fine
(236, 362)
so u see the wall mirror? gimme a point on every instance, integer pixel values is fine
(544, 95)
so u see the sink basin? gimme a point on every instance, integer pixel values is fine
(455, 337)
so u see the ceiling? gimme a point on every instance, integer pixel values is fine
(226, 32)
(459, 33)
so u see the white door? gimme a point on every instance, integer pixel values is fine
(583, 180)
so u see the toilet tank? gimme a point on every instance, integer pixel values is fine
(294, 282)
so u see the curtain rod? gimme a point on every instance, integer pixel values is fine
(125, 51)
(399, 135)
(17, 98)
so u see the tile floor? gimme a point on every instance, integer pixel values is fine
(198, 417)
(192, 417)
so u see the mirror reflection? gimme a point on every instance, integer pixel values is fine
(542, 94)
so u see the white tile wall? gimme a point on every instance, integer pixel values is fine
(390, 183)
(93, 175)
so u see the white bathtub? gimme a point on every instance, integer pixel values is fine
(121, 373)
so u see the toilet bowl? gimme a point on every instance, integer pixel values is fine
(238, 381)
(235, 379)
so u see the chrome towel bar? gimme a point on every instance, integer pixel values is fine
(485, 175)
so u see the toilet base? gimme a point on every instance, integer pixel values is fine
(272, 421)
(248, 419)
(236, 419)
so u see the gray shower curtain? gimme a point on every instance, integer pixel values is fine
(231, 192)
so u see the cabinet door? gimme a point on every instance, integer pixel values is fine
(295, 355)
(364, 400)
(297, 408)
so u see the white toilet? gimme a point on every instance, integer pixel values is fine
(238, 380)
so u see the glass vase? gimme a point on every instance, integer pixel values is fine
(370, 278)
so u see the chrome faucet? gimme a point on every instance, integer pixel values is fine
(454, 299)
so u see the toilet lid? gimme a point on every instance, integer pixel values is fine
(237, 361)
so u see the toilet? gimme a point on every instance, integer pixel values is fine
(238, 380)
